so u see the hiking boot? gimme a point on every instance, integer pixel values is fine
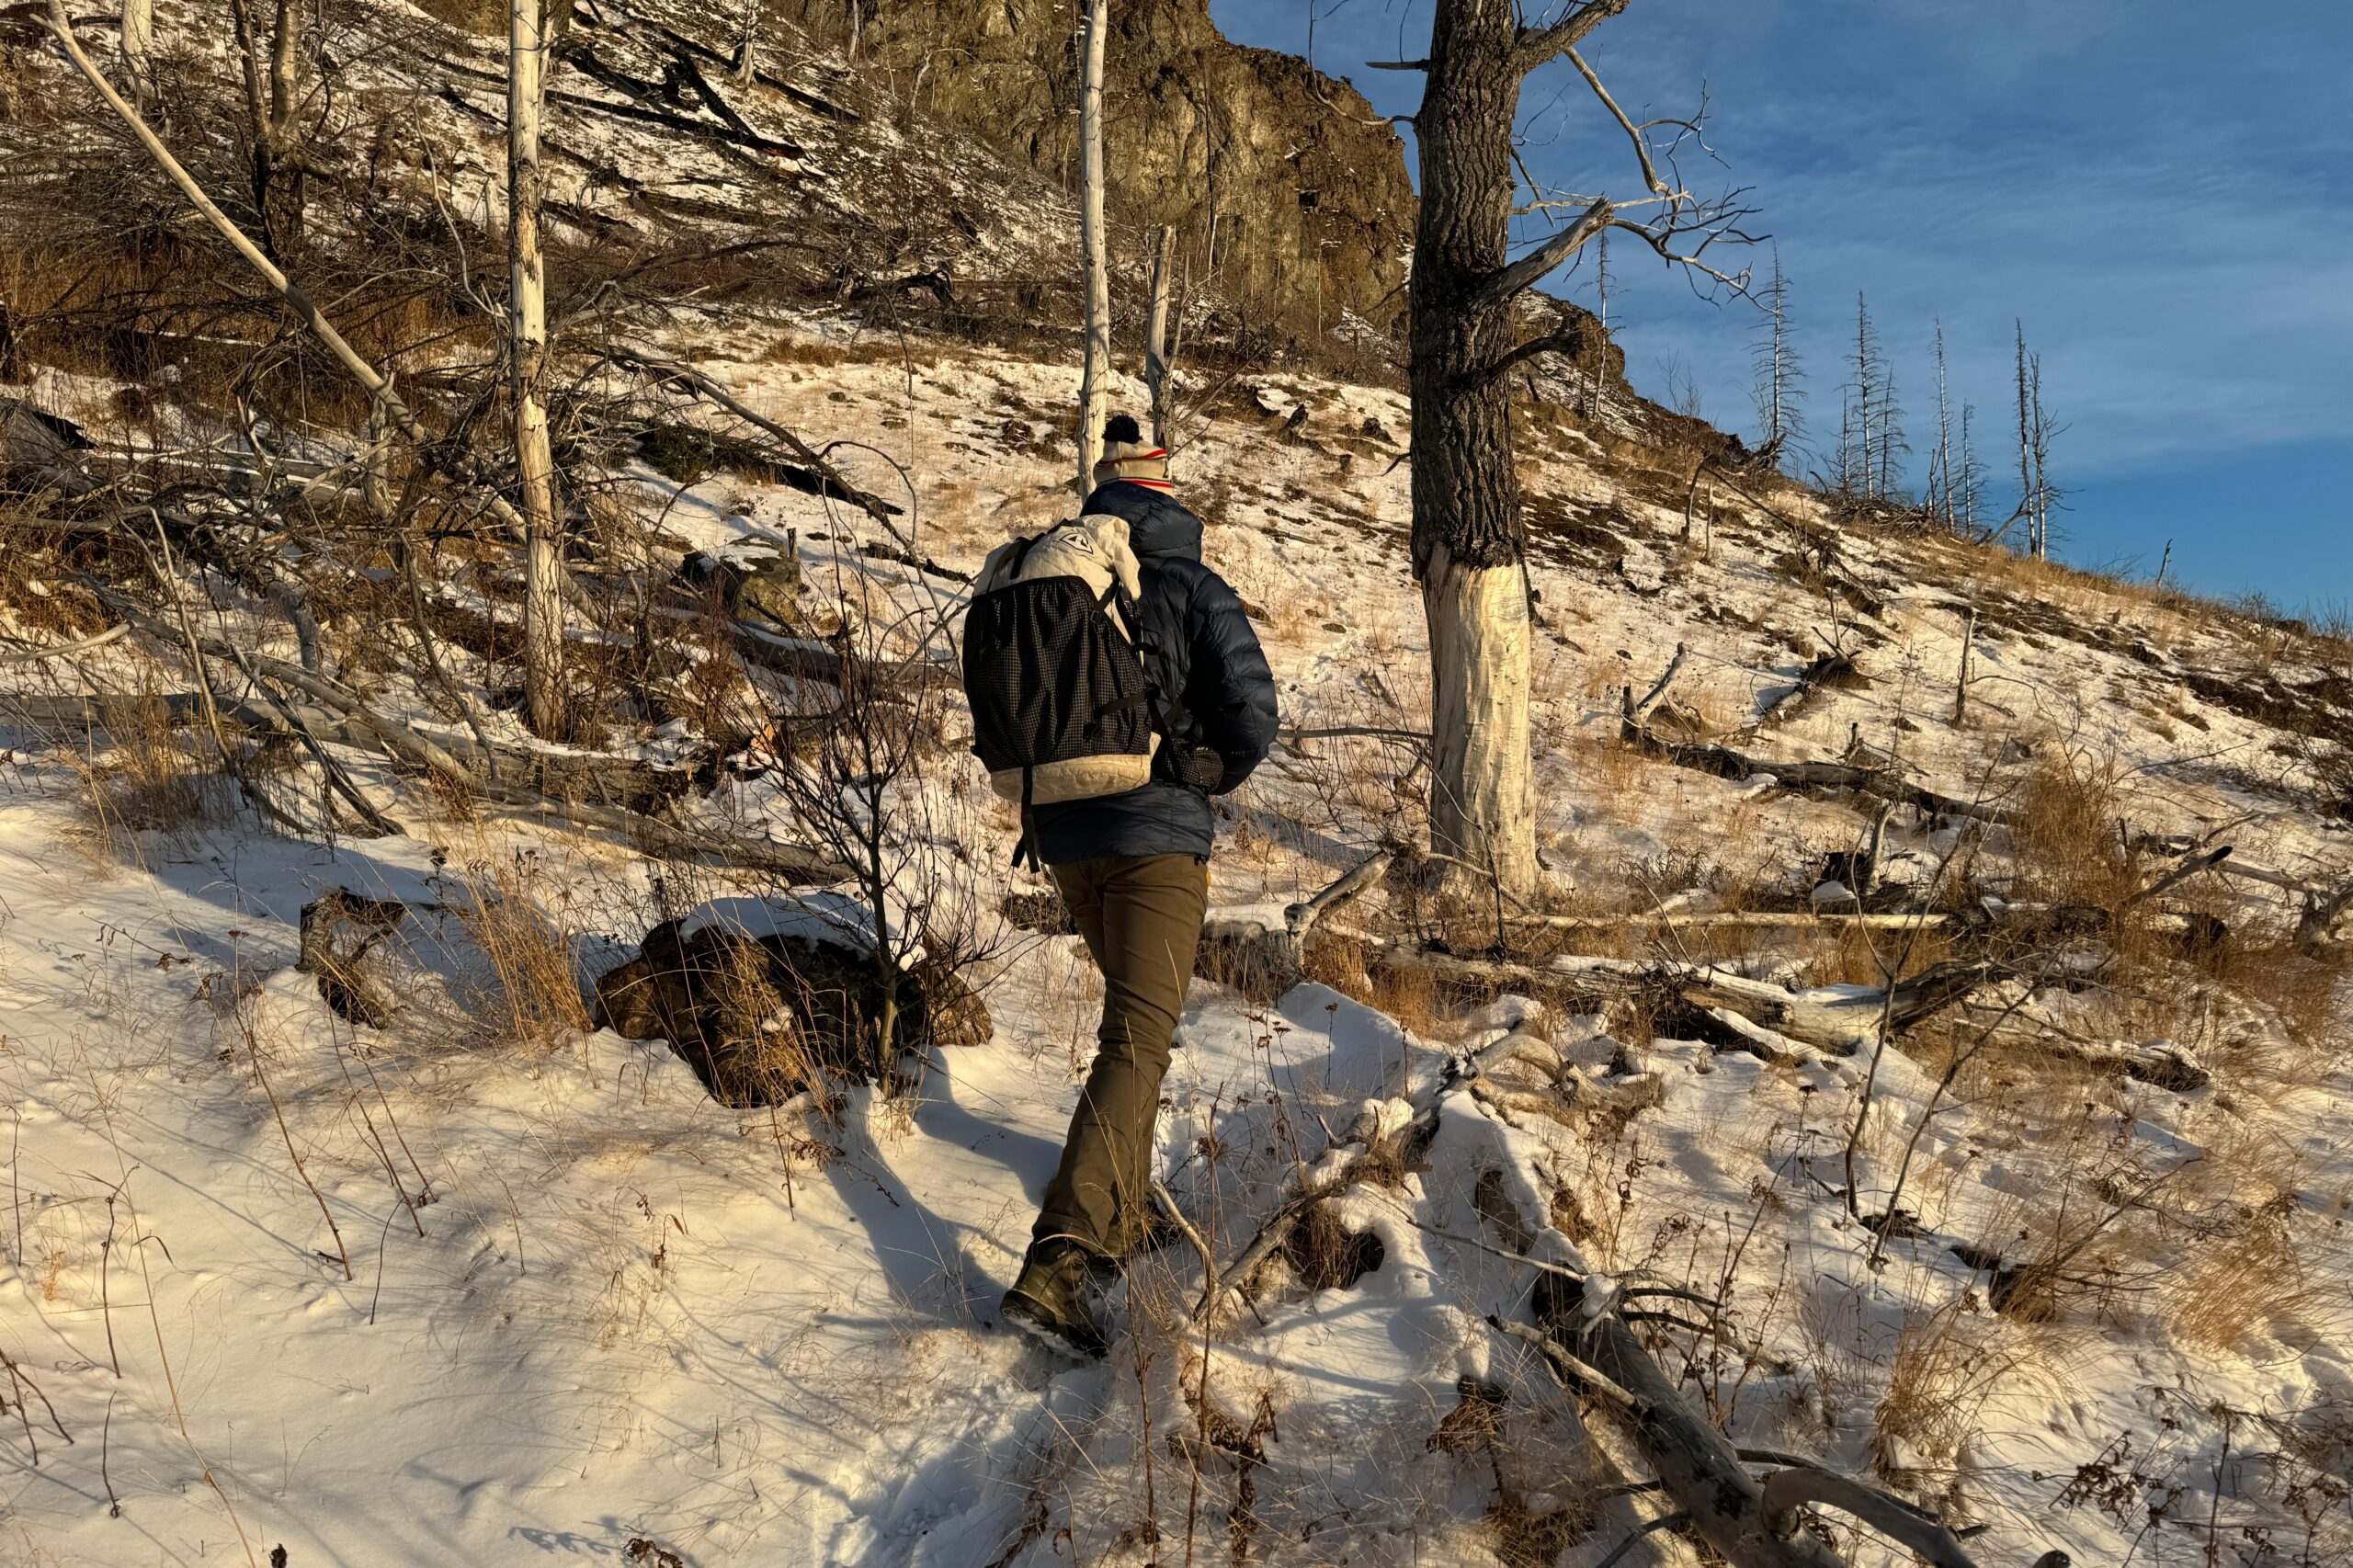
(1049, 1300)
(1134, 1235)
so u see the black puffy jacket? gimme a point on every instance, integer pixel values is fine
(1205, 661)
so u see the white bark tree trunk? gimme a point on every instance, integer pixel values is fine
(138, 43)
(1156, 351)
(528, 327)
(1093, 387)
(747, 49)
(1479, 809)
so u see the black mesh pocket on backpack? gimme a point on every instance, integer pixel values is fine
(1051, 678)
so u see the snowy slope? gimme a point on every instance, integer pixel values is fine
(637, 1315)
(453, 1290)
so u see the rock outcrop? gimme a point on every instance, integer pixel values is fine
(1308, 190)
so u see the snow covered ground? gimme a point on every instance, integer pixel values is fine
(633, 1316)
(475, 1288)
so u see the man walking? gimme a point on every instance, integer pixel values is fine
(1134, 870)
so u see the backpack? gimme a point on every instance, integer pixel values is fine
(1063, 707)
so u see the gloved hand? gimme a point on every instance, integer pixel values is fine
(1203, 767)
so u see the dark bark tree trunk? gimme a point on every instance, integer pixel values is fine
(1468, 541)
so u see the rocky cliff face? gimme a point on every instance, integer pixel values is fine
(1305, 191)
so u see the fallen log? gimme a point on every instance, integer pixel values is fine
(1268, 962)
(708, 386)
(651, 835)
(1696, 1464)
(344, 985)
(1370, 1145)
(1740, 920)
(1818, 674)
(1884, 783)
(65, 650)
(1880, 783)
(106, 710)
(1837, 1018)
(1586, 1339)
(630, 781)
(2325, 905)
(1296, 739)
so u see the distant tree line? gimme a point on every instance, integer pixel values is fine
(1867, 468)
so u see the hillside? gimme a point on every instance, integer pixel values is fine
(351, 1230)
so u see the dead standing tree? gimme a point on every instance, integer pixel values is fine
(528, 347)
(273, 72)
(1469, 542)
(1094, 389)
(139, 45)
(1159, 353)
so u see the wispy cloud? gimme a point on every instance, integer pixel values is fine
(2163, 196)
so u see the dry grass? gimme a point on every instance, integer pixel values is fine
(1070, 1000)
(1858, 956)
(34, 606)
(524, 988)
(773, 1060)
(2066, 847)
(2245, 1278)
(150, 782)
(2305, 992)
(1946, 1365)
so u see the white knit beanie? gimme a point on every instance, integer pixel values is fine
(1127, 456)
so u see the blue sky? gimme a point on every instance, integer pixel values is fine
(2162, 192)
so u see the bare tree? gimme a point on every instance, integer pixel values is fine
(273, 72)
(1939, 499)
(1093, 387)
(1596, 354)
(139, 45)
(1159, 356)
(527, 334)
(1872, 444)
(1887, 483)
(1969, 477)
(2026, 451)
(1859, 450)
(747, 45)
(1778, 390)
(2040, 429)
(453, 463)
(2037, 499)
(1469, 541)
(1842, 480)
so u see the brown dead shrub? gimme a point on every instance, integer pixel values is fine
(1946, 1365)
(1325, 1254)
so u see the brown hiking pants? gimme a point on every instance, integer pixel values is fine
(1141, 916)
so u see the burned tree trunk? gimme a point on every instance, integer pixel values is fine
(138, 45)
(1469, 544)
(273, 97)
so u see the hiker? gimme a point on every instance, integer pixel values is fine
(1115, 784)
